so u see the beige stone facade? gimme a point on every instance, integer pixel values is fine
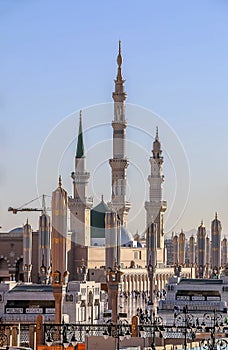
(11, 256)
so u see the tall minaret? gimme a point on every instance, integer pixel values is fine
(156, 207)
(44, 244)
(59, 229)
(80, 205)
(27, 251)
(58, 247)
(119, 162)
(112, 240)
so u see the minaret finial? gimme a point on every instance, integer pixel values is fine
(216, 215)
(119, 95)
(202, 222)
(156, 132)
(60, 181)
(119, 57)
(80, 144)
(43, 204)
(119, 77)
(157, 152)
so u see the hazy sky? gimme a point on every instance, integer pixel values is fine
(58, 57)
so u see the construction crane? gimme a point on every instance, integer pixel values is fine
(23, 207)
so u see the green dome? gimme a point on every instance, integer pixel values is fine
(98, 220)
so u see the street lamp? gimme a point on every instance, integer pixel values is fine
(153, 325)
(61, 334)
(214, 323)
(3, 337)
(151, 269)
(186, 321)
(120, 331)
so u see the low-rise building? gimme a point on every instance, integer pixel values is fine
(199, 295)
(23, 302)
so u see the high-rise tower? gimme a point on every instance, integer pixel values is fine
(201, 250)
(192, 251)
(175, 250)
(208, 256)
(216, 229)
(156, 207)
(182, 248)
(80, 205)
(224, 252)
(119, 162)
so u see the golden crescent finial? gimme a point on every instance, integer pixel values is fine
(157, 132)
(119, 47)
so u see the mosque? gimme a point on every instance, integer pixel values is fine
(81, 251)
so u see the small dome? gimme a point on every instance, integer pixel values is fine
(126, 236)
(16, 231)
(97, 216)
(101, 207)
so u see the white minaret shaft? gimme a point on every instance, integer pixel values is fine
(59, 206)
(156, 178)
(80, 176)
(119, 162)
(80, 204)
(156, 207)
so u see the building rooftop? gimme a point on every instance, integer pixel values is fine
(200, 281)
(19, 288)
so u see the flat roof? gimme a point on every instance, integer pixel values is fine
(19, 288)
(200, 281)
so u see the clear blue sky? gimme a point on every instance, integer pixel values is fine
(60, 56)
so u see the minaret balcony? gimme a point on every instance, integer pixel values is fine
(156, 204)
(77, 202)
(118, 204)
(118, 163)
(76, 174)
(120, 124)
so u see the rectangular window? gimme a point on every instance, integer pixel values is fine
(136, 255)
(83, 291)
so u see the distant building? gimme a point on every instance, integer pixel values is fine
(169, 251)
(200, 295)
